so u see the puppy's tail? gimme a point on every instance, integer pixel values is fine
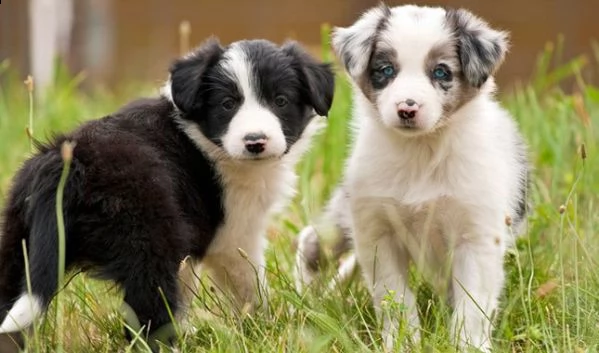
(30, 215)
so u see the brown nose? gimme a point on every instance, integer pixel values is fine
(407, 109)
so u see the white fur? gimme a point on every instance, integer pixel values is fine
(251, 195)
(346, 269)
(22, 314)
(437, 198)
(308, 243)
(303, 274)
(466, 177)
(167, 92)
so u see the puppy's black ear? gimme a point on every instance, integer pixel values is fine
(186, 74)
(318, 78)
(481, 49)
(353, 45)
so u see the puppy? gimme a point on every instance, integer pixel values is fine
(193, 173)
(438, 170)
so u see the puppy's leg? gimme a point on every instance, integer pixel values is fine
(478, 278)
(151, 290)
(189, 284)
(346, 270)
(385, 270)
(308, 262)
(240, 272)
(307, 257)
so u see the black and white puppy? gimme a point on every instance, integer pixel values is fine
(437, 166)
(195, 172)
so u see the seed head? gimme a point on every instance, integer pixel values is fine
(29, 83)
(66, 150)
(184, 34)
(243, 253)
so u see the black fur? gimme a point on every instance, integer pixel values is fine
(316, 83)
(140, 195)
(139, 198)
(188, 74)
(378, 60)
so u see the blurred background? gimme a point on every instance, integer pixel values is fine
(134, 40)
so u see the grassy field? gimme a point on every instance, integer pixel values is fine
(550, 303)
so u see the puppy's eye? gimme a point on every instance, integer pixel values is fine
(281, 101)
(388, 70)
(441, 72)
(228, 103)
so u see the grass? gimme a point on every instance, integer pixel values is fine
(551, 299)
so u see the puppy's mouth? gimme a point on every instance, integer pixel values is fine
(407, 124)
(257, 158)
(410, 127)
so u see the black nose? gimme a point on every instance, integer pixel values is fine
(407, 109)
(255, 142)
(405, 114)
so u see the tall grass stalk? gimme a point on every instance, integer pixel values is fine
(184, 37)
(67, 157)
(29, 84)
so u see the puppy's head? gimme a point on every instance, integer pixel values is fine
(418, 65)
(249, 100)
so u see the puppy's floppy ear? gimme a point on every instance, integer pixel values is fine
(186, 74)
(481, 49)
(353, 45)
(318, 78)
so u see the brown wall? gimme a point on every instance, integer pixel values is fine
(143, 34)
(14, 32)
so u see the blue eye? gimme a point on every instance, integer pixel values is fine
(388, 71)
(440, 73)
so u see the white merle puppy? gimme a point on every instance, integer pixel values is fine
(193, 173)
(437, 167)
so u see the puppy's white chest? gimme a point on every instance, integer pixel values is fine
(250, 197)
(427, 232)
(412, 201)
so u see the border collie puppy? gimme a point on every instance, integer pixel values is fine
(438, 170)
(195, 172)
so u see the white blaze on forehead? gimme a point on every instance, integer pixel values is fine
(252, 117)
(412, 32)
(239, 68)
